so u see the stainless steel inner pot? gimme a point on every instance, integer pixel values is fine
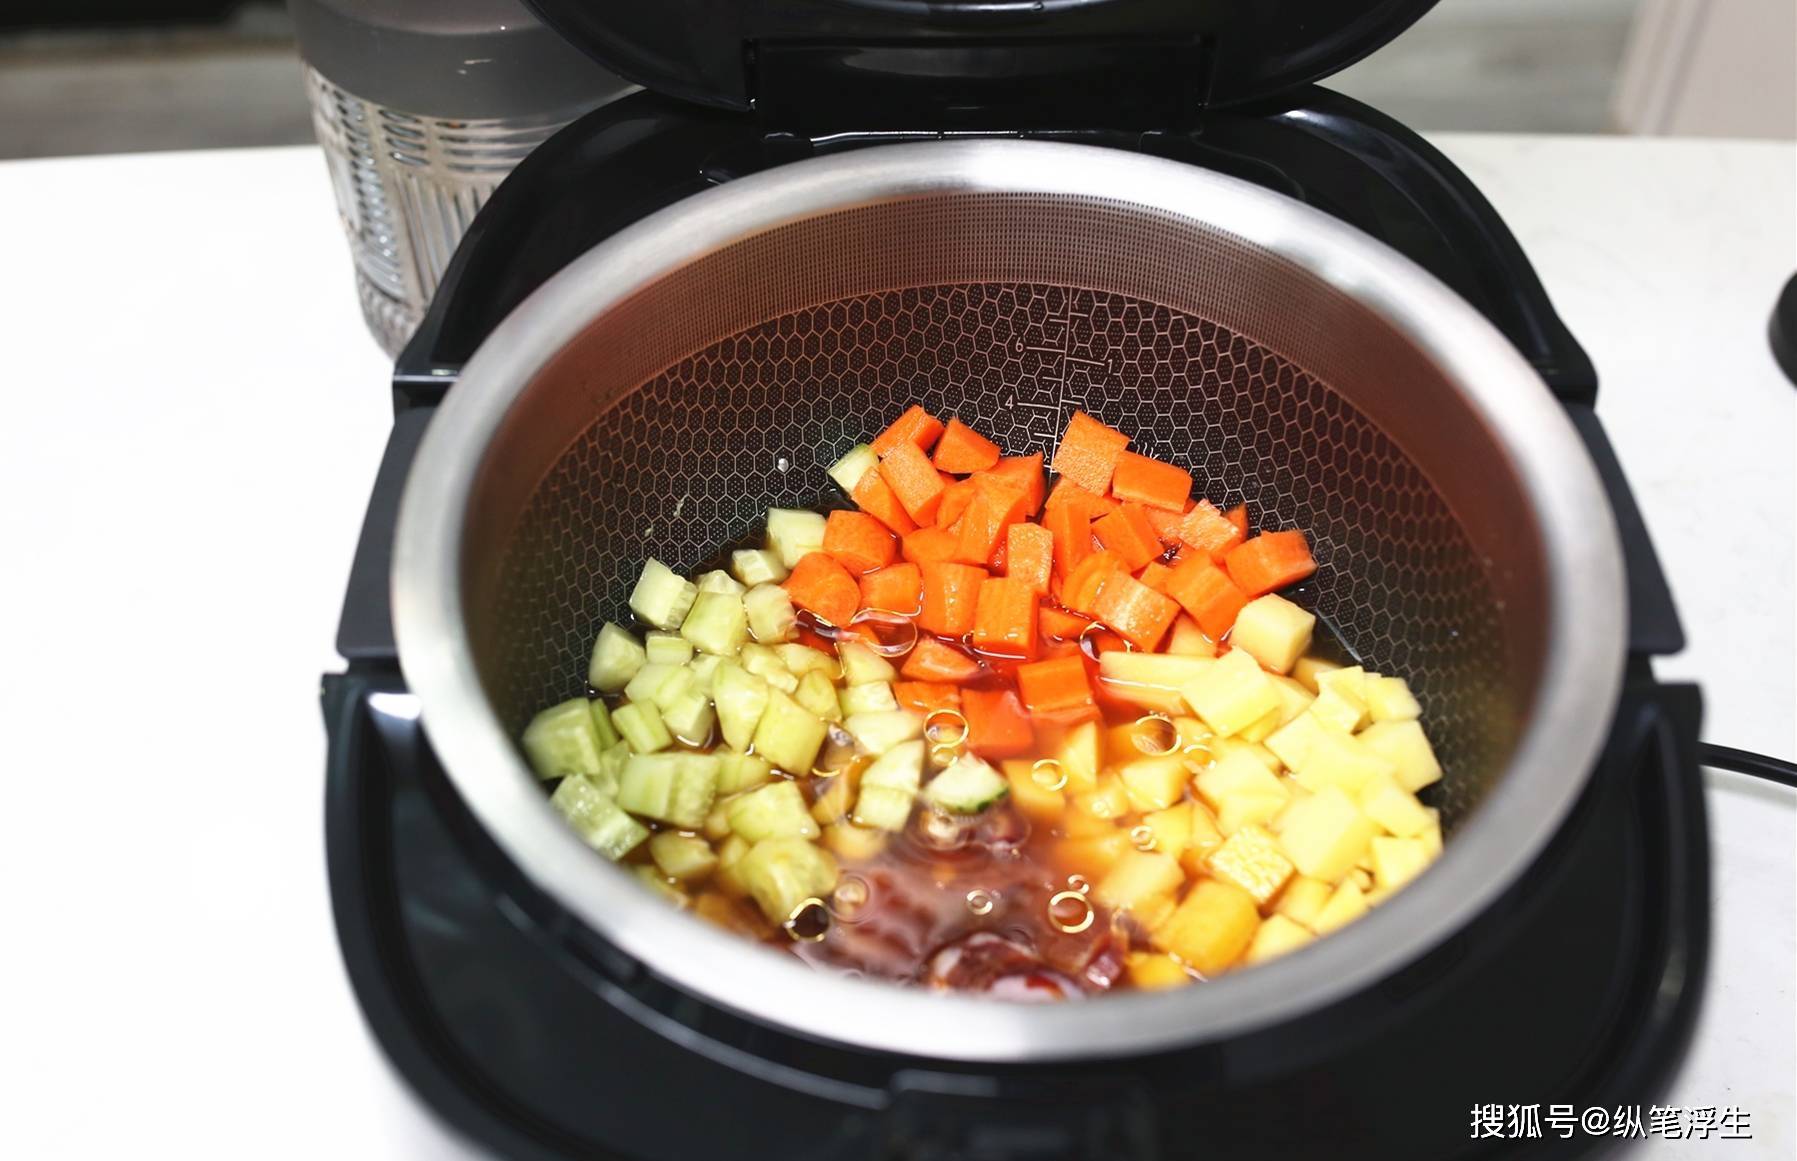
(667, 387)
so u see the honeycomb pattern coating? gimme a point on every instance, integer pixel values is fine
(689, 462)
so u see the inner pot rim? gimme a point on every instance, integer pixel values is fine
(1566, 723)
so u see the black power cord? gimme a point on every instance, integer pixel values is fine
(1746, 762)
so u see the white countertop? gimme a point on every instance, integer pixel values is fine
(198, 417)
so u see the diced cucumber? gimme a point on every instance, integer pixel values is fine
(789, 735)
(802, 659)
(658, 883)
(968, 786)
(563, 740)
(640, 723)
(616, 658)
(608, 734)
(883, 808)
(860, 664)
(770, 612)
(666, 648)
(676, 788)
(817, 694)
(730, 853)
(782, 873)
(889, 786)
(766, 664)
(717, 820)
(681, 856)
(774, 810)
(717, 624)
(704, 667)
(793, 532)
(878, 732)
(690, 718)
(719, 581)
(874, 697)
(757, 566)
(596, 818)
(741, 698)
(611, 767)
(662, 596)
(649, 680)
(848, 470)
(737, 772)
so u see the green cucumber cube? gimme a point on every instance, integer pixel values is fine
(789, 735)
(596, 818)
(802, 659)
(608, 733)
(664, 648)
(738, 772)
(968, 786)
(741, 698)
(704, 667)
(771, 616)
(777, 809)
(676, 788)
(766, 664)
(640, 723)
(616, 658)
(717, 624)
(874, 697)
(719, 581)
(658, 883)
(690, 718)
(682, 856)
(730, 853)
(817, 694)
(794, 532)
(611, 767)
(780, 874)
(860, 664)
(879, 731)
(883, 808)
(662, 596)
(648, 682)
(889, 787)
(563, 740)
(757, 566)
(848, 470)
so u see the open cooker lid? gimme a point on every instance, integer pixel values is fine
(1064, 61)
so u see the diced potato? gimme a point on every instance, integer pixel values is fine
(1172, 828)
(1396, 861)
(1342, 760)
(1222, 748)
(1252, 860)
(1232, 693)
(1276, 936)
(662, 596)
(1294, 699)
(878, 731)
(1138, 876)
(1153, 970)
(1031, 797)
(1350, 680)
(598, 820)
(1394, 808)
(770, 615)
(563, 740)
(665, 648)
(1291, 742)
(1388, 699)
(1261, 728)
(1093, 855)
(1187, 640)
(616, 657)
(683, 857)
(788, 734)
(1207, 836)
(1303, 898)
(818, 694)
(1154, 783)
(854, 842)
(1346, 904)
(757, 566)
(1079, 757)
(1309, 669)
(1274, 631)
(855, 463)
(764, 663)
(1339, 709)
(831, 804)
(1108, 800)
(690, 718)
(1237, 774)
(782, 873)
(860, 664)
(1325, 834)
(640, 723)
(777, 809)
(1150, 680)
(1432, 836)
(717, 624)
(1211, 927)
(873, 697)
(794, 532)
(1406, 747)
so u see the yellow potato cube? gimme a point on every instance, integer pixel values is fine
(1259, 730)
(1172, 828)
(1361, 877)
(1232, 694)
(1388, 699)
(1343, 760)
(1150, 680)
(1324, 834)
(1249, 810)
(1093, 855)
(1154, 783)
(1242, 791)
(1029, 795)
(1211, 927)
(1338, 708)
(1294, 699)
(1079, 757)
(855, 842)
(1309, 669)
(1154, 970)
(1206, 837)
(1303, 898)
(1431, 835)
(1406, 747)
(1252, 860)
(1222, 748)
(1137, 876)
(1274, 630)
(1108, 800)
(1346, 904)
(1394, 808)
(1351, 682)
(1396, 861)
(1276, 936)
(1188, 640)
(1291, 743)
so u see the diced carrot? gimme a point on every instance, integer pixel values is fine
(1004, 620)
(931, 660)
(897, 588)
(999, 563)
(927, 544)
(951, 594)
(1088, 452)
(1238, 516)
(955, 499)
(926, 696)
(1206, 592)
(1209, 531)
(1072, 536)
(1151, 482)
(1067, 493)
(1166, 524)
(1057, 624)
(874, 496)
(1135, 610)
(1154, 574)
(858, 541)
(1128, 533)
(1080, 593)
(811, 639)
(917, 485)
(962, 449)
(997, 504)
(997, 727)
(824, 587)
(916, 427)
(1028, 471)
(1029, 555)
(1061, 684)
(1270, 561)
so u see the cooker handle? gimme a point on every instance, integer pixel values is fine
(935, 1116)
